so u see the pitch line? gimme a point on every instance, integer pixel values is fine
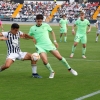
(88, 95)
(73, 59)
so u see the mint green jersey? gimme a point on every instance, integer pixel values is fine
(63, 23)
(82, 26)
(41, 34)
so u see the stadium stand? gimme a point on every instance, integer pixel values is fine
(51, 10)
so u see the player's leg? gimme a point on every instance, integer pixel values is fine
(84, 41)
(97, 37)
(7, 64)
(76, 41)
(61, 37)
(63, 60)
(43, 56)
(73, 49)
(65, 37)
(27, 56)
(9, 61)
(84, 51)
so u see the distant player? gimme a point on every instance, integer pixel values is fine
(43, 44)
(1, 26)
(63, 23)
(98, 27)
(14, 51)
(81, 34)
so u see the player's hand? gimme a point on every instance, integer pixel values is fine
(56, 44)
(73, 32)
(34, 41)
(88, 31)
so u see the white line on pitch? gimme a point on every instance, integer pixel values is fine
(68, 59)
(88, 95)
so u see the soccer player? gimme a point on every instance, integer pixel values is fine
(14, 51)
(63, 23)
(81, 34)
(43, 44)
(98, 27)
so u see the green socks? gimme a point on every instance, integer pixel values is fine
(73, 48)
(65, 63)
(83, 51)
(48, 66)
(65, 39)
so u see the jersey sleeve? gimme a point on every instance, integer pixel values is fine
(88, 23)
(30, 32)
(5, 34)
(66, 21)
(49, 28)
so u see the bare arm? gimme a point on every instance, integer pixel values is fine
(54, 38)
(3, 39)
(73, 29)
(26, 36)
(89, 28)
(1, 34)
(97, 25)
(60, 25)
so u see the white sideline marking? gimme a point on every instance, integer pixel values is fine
(88, 95)
(67, 58)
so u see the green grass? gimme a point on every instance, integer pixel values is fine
(16, 82)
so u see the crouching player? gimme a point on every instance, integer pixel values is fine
(14, 51)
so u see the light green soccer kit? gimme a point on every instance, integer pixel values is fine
(63, 24)
(41, 34)
(81, 31)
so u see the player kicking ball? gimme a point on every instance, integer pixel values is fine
(43, 44)
(98, 27)
(14, 52)
(81, 34)
(63, 23)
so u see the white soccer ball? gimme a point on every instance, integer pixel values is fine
(35, 56)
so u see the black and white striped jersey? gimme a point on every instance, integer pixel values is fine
(13, 44)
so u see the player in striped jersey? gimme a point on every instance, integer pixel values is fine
(14, 51)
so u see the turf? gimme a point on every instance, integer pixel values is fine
(16, 83)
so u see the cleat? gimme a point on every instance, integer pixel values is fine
(52, 75)
(36, 75)
(73, 72)
(72, 54)
(83, 56)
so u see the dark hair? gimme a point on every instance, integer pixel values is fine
(15, 26)
(39, 16)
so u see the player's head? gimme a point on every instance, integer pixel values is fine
(82, 15)
(39, 19)
(64, 16)
(14, 28)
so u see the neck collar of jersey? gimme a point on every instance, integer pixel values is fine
(38, 26)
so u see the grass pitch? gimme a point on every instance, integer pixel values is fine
(16, 83)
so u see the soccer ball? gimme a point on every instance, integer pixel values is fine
(35, 56)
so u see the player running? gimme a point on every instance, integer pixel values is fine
(81, 34)
(14, 51)
(63, 23)
(98, 27)
(43, 44)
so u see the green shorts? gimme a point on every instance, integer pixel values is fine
(48, 48)
(82, 38)
(63, 30)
